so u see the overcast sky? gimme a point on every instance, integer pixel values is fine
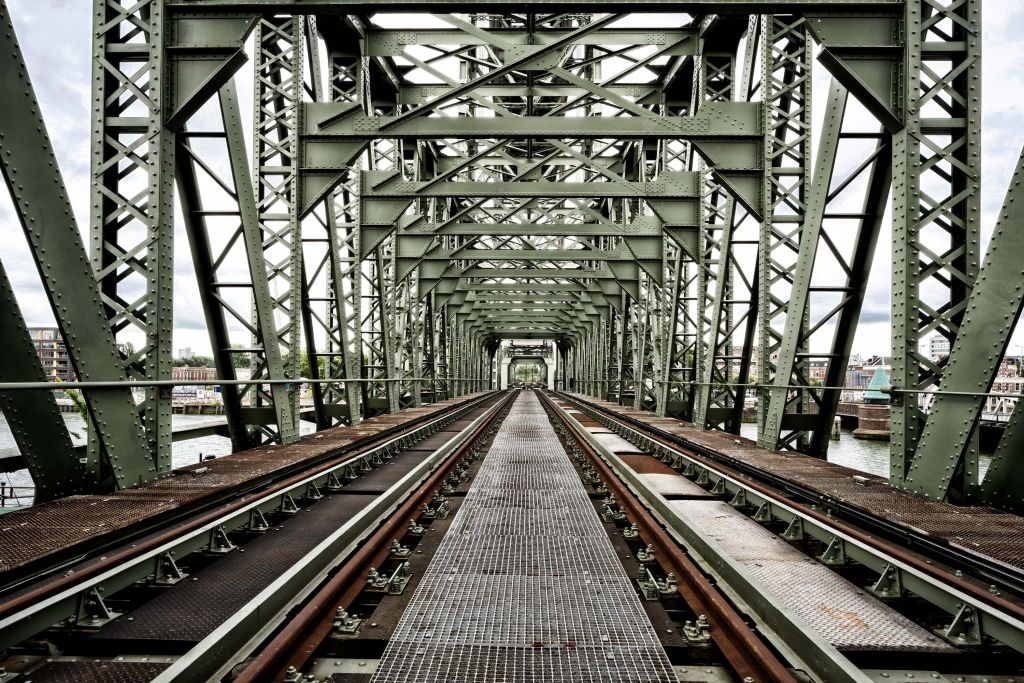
(55, 36)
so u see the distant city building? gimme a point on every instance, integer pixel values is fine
(818, 369)
(186, 352)
(879, 381)
(938, 347)
(188, 374)
(53, 354)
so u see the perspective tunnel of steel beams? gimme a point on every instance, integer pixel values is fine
(421, 181)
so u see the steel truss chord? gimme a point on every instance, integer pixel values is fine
(728, 273)
(332, 260)
(936, 220)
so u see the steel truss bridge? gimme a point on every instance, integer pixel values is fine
(642, 194)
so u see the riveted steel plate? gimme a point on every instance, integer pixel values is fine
(843, 613)
(674, 485)
(616, 444)
(526, 585)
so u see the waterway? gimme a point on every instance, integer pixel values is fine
(182, 453)
(866, 455)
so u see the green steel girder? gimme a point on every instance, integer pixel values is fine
(331, 261)
(203, 53)
(727, 285)
(724, 125)
(33, 416)
(644, 225)
(727, 134)
(670, 186)
(278, 73)
(936, 210)
(391, 42)
(839, 294)
(992, 312)
(700, 7)
(132, 203)
(646, 94)
(43, 208)
(264, 353)
(865, 54)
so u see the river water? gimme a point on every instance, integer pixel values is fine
(859, 454)
(866, 455)
(183, 452)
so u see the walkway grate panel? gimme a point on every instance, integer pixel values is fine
(526, 585)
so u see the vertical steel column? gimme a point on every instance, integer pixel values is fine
(786, 89)
(936, 205)
(726, 317)
(429, 361)
(132, 229)
(442, 352)
(377, 329)
(330, 246)
(277, 93)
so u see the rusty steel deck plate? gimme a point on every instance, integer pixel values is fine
(190, 610)
(33, 533)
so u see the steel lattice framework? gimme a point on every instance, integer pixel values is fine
(651, 198)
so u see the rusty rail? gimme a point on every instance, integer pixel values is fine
(297, 641)
(742, 647)
(49, 588)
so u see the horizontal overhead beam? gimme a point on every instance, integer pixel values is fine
(390, 42)
(533, 229)
(529, 255)
(324, 121)
(416, 93)
(678, 185)
(343, 7)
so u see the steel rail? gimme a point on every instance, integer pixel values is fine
(297, 641)
(993, 573)
(998, 617)
(228, 498)
(218, 653)
(746, 652)
(33, 610)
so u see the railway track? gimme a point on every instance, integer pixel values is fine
(343, 572)
(956, 604)
(79, 608)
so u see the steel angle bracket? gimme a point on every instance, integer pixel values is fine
(204, 52)
(864, 53)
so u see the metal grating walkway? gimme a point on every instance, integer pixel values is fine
(526, 585)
